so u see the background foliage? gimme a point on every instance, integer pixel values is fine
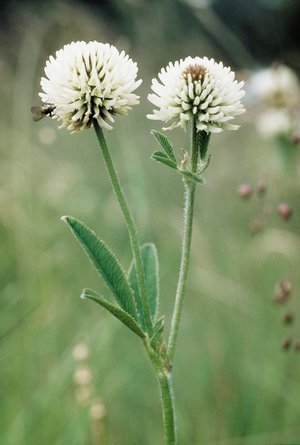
(234, 383)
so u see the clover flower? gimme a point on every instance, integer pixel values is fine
(274, 122)
(87, 81)
(277, 86)
(200, 88)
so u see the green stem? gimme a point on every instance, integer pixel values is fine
(186, 248)
(167, 399)
(133, 235)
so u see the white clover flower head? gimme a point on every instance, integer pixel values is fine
(278, 86)
(197, 88)
(273, 123)
(87, 81)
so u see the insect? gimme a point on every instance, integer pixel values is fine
(41, 111)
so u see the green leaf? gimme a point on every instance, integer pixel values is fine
(151, 269)
(157, 337)
(161, 157)
(192, 177)
(202, 142)
(159, 325)
(150, 264)
(166, 144)
(123, 316)
(105, 263)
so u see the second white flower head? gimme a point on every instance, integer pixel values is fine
(197, 87)
(87, 81)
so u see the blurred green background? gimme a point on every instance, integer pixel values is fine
(234, 383)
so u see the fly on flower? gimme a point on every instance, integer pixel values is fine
(41, 111)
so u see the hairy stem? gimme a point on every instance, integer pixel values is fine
(133, 235)
(186, 248)
(167, 399)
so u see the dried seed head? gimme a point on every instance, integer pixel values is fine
(286, 343)
(261, 186)
(296, 138)
(297, 345)
(288, 318)
(282, 291)
(286, 287)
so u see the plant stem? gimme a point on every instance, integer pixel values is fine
(133, 235)
(167, 399)
(186, 248)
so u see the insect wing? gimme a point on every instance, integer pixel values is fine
(37, 112)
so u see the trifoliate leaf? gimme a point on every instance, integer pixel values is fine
(161, 157)
(192, 177)
(166, 144)
(123, 316)
(151, 270)
(105, 263)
